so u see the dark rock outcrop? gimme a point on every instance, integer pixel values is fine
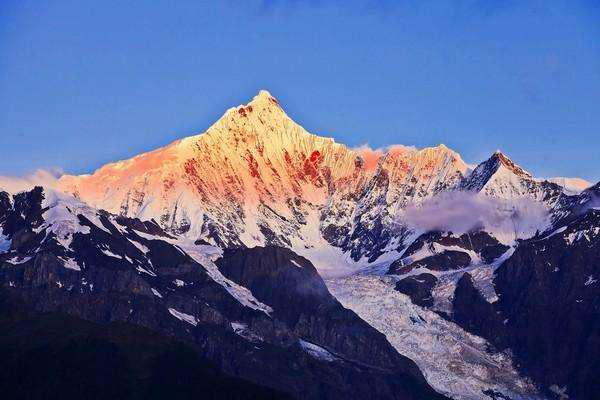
(480, 242)
(445, 261)
(56, 356)
(292, 286)
(474, 313)
(418, 288)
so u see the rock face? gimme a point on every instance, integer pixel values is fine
(67, 258)
(418, 288)
(55, 356)
(548, 306)
(473, 312)
(298, 295)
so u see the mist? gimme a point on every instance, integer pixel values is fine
(41, 177)
(461, 212)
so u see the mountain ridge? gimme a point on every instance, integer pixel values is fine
(256, 177)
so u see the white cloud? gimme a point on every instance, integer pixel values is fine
(40, 177)
(462, 212)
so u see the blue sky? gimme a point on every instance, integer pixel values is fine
(84, 83)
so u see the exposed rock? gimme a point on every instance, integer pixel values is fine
(418, 288)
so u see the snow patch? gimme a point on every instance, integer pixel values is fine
(190, 319)
(70, 263)
(111, 254)
(590, 280)
(16, 260)
(316, 351)
(145, 271)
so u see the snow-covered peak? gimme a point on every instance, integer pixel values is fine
(495, 170)
(500, 160)
(264, 96)
(257, 177)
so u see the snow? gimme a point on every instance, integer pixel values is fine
(256, 167)
(453, 361)
(61, 216)
(190, 319)
(179, 282)
(110, 253)
(145, 271)
(242, 329)
(481, 272)
(296, 264)
(18, 260)
(70, 263)
(590, 280)
(316, 351)
(156, 293)
(556, 231)
(586, 234)
(204, 255)
(239, 326)
(4, 242)
(139, 246)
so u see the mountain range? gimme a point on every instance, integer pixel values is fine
(308, 269)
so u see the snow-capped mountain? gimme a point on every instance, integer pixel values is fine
(255, 177)
(500, 177)
(215, 235)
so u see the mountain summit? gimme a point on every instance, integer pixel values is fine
(256, 177)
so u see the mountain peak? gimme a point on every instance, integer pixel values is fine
(500, 159)
(263, 97)
(497, 167)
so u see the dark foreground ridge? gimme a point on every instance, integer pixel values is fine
(56, 356)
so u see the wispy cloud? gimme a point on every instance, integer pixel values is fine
(462, 212)
(41, 177)
(371, 155)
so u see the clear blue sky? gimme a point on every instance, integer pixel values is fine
(87, 82)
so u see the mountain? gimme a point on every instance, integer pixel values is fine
(500, 177)
(315, 270)
(255, 177)
(270, 321)
(536, 298)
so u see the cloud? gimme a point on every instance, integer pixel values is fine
(461, 212)
(371, 156)
(41, 177)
